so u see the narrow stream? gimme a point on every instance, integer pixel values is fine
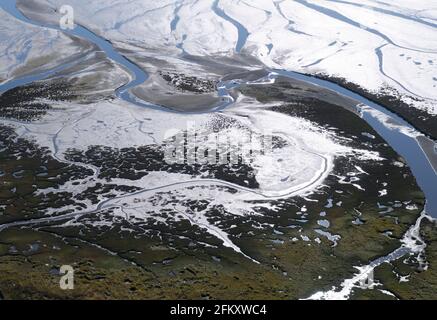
(403, 143)
(243, 34)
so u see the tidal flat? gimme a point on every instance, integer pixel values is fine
(306, 245)
(338, 206)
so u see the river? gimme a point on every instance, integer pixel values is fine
(402, 141)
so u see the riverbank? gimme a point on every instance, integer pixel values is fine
(424, 122)
(85, 183)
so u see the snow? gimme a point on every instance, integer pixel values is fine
(412, 245)
(25, 49)
(307, 159)
(370, 43)
(363, 45)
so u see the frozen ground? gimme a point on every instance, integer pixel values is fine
(26, 49)
(117, 145)
(371, 43)
(297, 167)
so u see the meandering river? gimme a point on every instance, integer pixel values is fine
(398, 133)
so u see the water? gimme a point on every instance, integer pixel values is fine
(403, 144)
(243, 34)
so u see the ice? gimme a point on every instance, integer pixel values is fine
(370, 43)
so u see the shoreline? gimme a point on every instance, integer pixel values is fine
(379, 100)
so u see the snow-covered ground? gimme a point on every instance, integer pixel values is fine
(374, 44)
(371, 43)
(297, 168)
(333, 37)
(25, 49)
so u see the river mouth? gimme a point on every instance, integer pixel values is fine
(248, 99)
